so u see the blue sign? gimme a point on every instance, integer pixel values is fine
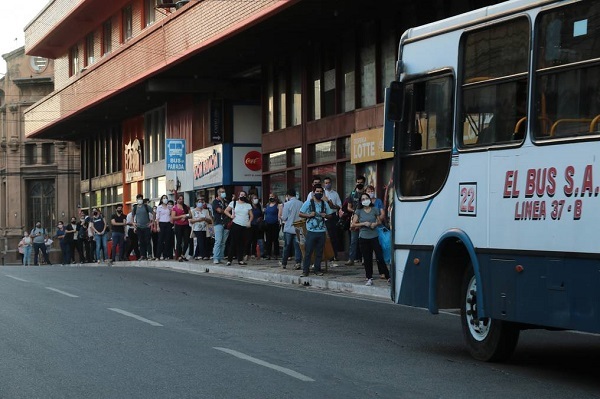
(175, 154)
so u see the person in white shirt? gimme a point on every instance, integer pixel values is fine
(164, 228)
(240, 212)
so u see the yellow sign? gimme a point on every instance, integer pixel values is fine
(367, 146)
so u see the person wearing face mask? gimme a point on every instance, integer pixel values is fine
(76, 243)
(315, 211)
(118, 221)
(25, 246)
(65, 248)
(38, 235)
(335, 203)
(366, 218)
(98, 226)
(353, 202)
(240, 212)
(180, 215)
(376, 202)
(164, 228)
(219, 226)
(70, 240)
(200, 220)
(142, 219)
(257, 229)
(289, 215)
(272, 212)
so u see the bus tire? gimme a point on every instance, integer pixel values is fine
(488, 340)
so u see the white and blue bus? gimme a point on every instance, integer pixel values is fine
(496, 130)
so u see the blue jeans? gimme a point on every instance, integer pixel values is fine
(101, 246)
(289, 240)
(27, 255)
(221, 234)
(315, 242)
(118, 240)
(354, 253)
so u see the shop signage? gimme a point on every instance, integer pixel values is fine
(175, 154)
(247, 164)
(133, 161)
(208, 167)
(367, 146)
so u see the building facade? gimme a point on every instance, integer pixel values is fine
(39, 177)
(265, 93)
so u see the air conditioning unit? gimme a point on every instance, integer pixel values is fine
(165, 4)
(181, 3)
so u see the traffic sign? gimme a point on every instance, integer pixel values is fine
(176, 154)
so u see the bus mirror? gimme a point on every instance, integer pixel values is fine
(393, 101)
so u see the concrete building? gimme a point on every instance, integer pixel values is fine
(39, 177)
(265, 93)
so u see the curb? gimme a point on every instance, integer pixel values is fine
(291, 279)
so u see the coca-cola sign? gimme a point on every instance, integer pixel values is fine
(246, 165)
(253, 160)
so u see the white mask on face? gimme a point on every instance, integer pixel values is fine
(255, 201)
(164, 201)
(140, 202)
(366, 202)
(223, 195)
(372, 195)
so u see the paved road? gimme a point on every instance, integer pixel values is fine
(73, 332)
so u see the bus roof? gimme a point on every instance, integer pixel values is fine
(473, 17)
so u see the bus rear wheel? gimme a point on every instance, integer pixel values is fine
(487, 339)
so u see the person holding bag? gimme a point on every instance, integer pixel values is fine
(366, 218)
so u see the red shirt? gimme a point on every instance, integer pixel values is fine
(178, 212)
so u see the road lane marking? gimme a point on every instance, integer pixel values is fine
(62, 292)
(275, 367)
(140, 318)
(16, 278)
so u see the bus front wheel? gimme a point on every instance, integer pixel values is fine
(487, 339)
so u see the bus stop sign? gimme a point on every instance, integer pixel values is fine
(175, 154)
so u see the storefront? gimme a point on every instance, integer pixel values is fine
(370, 159)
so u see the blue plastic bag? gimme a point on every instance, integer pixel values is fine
(385, 240)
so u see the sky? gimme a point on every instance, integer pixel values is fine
(14, 15)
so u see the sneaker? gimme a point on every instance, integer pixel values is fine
(304, 275)
(216, 262)
(349, 263)
(228, 263)
(282, 265)
(319, 273)
(245, 258)
(297, 266)
(369, 282)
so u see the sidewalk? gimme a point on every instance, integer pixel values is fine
(339, 277)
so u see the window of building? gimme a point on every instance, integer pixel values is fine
(38, 64)
(494, 82)
(296, 158)
(270, 100)
(348, 84)
(387, 64)
(316, 87)
(89, 49)
(149, 12)
(282, 99)
(41, 204)
(368, 87)
(47, 153)
(30, 154)
(154, 135)
(277, 160)
(73, 60)
(323, 152)
(296, 96)
(329, 83)
(127, 23)
(106, 37)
